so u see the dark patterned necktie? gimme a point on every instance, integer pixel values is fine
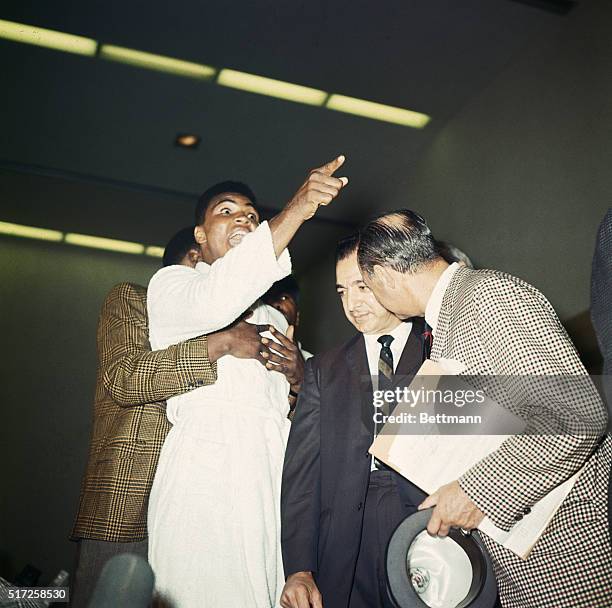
(385, 382)
(385, 363)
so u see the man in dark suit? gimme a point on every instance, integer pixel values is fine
(339, 506)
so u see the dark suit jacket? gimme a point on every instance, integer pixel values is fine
(129, 417)
(327, 465)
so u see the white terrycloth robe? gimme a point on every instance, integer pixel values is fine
(214, 510)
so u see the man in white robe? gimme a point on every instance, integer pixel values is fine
(214, 511)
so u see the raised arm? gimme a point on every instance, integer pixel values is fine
(183, 302)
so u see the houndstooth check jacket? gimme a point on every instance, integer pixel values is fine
(499, 325)
(129, 416)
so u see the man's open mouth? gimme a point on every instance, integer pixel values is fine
(236, 236)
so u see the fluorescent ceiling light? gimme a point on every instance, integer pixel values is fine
(30, 34)
(156, 62)
(29, 232)
(377, 111)
(271, 87)
(154, 251)
(97, 242)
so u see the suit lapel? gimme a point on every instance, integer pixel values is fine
(361, 390)
(412, 355)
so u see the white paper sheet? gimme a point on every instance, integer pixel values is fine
(432, 460)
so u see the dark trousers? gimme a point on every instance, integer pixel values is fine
(384, 510)
(91, 556)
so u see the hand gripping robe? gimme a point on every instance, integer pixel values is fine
(214, 510)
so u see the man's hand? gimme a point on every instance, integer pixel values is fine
(285, 357)
(320, 188)
(240, 339)
(453, 507)
(300, 591)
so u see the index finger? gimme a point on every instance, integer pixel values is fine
(430, 501)
(280, 336)
(333, 165)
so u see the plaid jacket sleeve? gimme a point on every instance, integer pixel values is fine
(132, 373)
(520, 335)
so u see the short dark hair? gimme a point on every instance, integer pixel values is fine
(226, 186)
(451, 254)
(288, 285)
(178, 246)
(399, 239)
(347, 246)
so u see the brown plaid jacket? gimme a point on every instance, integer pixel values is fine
(129, 417)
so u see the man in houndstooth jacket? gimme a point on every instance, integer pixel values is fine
(498, 325)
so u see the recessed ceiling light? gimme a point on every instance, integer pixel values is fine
(187, 140)
(30, 34)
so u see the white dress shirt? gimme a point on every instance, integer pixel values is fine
(434, 304)
(400, 337)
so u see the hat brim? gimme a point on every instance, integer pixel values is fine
(483, 588)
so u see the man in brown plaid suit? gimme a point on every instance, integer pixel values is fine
(498, 325)
(129, 420)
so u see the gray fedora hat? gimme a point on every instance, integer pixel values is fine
(451, 572)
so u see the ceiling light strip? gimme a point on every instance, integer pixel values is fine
(270, 87)
(98, 242)
(377, 111)
(80, 240)
(160, 63)
(154, 251)
(243, 81)
(30, 232)
(30, 34)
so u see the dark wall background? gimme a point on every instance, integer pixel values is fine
(51, 295)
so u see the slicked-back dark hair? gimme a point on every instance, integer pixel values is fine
(178, 246)
(398, 239)
(347, 246)
(226, 186)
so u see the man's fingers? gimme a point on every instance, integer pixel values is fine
(277, 367)
(434, 524)
(430, 501)
(284, 340)
(316, 599)
(317, 179)
(302, 596)
(262, 328)
(332, 166)
(274, 357)
(344, 181)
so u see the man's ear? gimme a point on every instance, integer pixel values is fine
(382, 274)
(195, 256)
(199, 235)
